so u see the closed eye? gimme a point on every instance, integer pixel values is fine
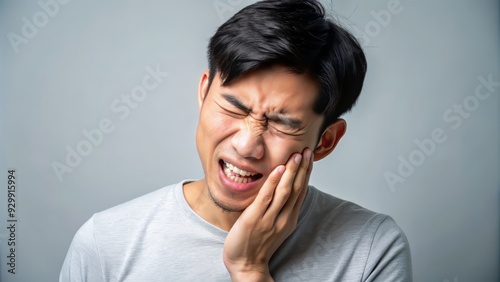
(286, 125)
(239, 115)
(286, 122)
(283, 130)
(232, 113)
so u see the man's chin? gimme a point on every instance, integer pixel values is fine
(236, 206)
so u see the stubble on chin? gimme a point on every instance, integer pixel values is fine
(223, 207)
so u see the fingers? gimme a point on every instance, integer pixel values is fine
(301, 182)
(291, 184)
(302, 196)
(266, 193)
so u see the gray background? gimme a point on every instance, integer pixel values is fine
(422, 62)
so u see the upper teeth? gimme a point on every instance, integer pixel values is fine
(238, 170)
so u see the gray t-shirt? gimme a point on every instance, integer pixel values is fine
(158, 237)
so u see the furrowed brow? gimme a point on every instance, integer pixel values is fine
(289, 122)
(235, 102)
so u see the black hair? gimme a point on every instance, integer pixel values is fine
(295, 34)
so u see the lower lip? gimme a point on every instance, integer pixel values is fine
(236, 186)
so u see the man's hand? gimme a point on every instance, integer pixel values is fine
(268, 221)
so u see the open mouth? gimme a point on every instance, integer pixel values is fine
(237, 174)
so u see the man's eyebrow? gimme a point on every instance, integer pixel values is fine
(235, 102)
(290, 122)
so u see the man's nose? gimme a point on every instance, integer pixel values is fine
(248, 141)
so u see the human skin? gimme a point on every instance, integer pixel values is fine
(262, 123)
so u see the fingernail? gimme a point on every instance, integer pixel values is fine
(308, 154)
(298, 158)
(281, 169)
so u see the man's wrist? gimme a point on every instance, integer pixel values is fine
(251, 276)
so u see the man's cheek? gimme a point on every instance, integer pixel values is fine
(282, 151)
(216, 123)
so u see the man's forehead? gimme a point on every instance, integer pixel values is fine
(265, 71)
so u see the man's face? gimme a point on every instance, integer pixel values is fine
(247, 129)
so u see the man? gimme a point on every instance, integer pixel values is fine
(280, 76)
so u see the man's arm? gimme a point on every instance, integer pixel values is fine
(389, 258)
(82, 262)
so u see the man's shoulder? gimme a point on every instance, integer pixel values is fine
(145, 201)
(336, 213)
(136, 210)
(328, 204)
(338, 240)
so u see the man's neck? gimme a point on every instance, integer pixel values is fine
(198, 198)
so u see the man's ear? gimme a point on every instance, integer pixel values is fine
(329, 139)
(203, 88)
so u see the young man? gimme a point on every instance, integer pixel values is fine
(280, 76)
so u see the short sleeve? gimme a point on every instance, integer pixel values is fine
(389, 258)
(82, 262)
